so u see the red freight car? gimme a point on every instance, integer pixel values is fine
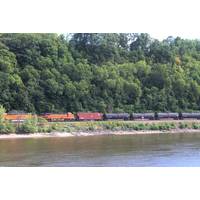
(58, 117)
(89, 116)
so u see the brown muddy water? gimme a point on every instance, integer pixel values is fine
(159, 150)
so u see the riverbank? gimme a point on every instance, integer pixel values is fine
(36, 129)
(97, 133)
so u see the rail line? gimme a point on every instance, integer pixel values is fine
(96, 116)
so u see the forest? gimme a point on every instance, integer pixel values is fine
(105, 72)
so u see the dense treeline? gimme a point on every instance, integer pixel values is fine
(98, 72)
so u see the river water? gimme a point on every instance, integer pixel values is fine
(98, 151)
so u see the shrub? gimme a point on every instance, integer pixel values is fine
(29, 126)
(154, 127)
(166, 126)
(195, 126)
(55, 127)
(7, 127)
(3, 129)
(183, 125)
(172, 125)
(68, 129)
(43, 125)
(2, 111)
(141, 126)
(10, 128)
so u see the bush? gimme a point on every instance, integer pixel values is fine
(43, 125)
(153, 127)
(183, 125)
(166, 126)
(58, 127)
(6, 127)
(10, 128)
(29, 126)
(195, 126)
(172, 125)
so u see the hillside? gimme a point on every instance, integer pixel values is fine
(98, 72)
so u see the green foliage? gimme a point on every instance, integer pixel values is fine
(2, 111)
(112, 126)
(5, 126)
(29, 126)
(183, 125)
(35, 125)
(98, 72)
(42, 126)
(195, 126)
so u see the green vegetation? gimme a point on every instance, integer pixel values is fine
(40, 125)
(183, 125)
(121, 126)
(5, 126)
(35, 125)
(29, 126)
(98, 72)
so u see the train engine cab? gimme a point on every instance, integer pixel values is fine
(58, 117)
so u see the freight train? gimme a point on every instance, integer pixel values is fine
(96, 116)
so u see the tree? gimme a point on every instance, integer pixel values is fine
(114, 72)
(2, 112)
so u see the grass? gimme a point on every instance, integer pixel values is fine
(42, 126)
(117, 126)
(129, 126)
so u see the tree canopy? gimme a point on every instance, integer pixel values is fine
(106, 72)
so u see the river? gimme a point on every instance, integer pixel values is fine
(160, 150)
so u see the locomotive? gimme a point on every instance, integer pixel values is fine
(96, 116)
(58, 117)
(17, 116)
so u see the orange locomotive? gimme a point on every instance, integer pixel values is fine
(17, 117)
(58, 117)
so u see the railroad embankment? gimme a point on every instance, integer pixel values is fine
(37, 128)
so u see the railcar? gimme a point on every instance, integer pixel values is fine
(115, 116)
(58, 117)
(142, 116)
(168, 115)
(81, 116)
(189, 115)
(17, 117)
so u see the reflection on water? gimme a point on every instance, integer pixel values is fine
(136, 150)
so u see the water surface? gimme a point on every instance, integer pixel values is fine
(129, 151)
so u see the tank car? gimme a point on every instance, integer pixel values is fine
(115, 116)
(168, 115)
(189, 115)
(142, 116)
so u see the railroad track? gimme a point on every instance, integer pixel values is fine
(126, 121)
